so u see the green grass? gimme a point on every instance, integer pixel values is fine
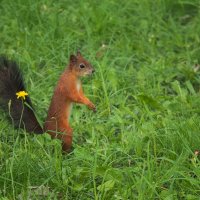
(140, 144)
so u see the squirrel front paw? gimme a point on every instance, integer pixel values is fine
(92, 107)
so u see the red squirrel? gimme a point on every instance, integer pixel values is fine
(68, 91)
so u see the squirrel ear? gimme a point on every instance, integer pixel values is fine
(73, 58)
(78, 53)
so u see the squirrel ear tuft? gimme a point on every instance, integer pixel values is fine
(73, 58)
(78, 53)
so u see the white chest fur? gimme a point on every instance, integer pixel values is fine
(78, 85)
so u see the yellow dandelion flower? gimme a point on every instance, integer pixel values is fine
(21, 94)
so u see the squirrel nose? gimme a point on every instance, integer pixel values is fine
(93, 70)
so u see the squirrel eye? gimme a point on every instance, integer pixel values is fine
(82, 66)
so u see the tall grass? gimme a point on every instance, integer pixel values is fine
(141, 142)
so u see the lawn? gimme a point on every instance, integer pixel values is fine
(141, 142)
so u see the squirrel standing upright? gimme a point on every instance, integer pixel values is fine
(67, 92)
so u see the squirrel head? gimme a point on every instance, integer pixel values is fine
(80, 66)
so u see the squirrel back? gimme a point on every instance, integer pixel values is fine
(19, 111)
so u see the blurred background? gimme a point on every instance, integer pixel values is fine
(141, 143)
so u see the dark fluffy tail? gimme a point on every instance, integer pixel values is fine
(19, 111)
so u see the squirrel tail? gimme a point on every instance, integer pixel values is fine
(19, 111)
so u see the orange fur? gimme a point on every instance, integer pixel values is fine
(67, 92)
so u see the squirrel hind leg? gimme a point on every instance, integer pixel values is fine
(67, 147)
(67, 140)
(64, 133)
